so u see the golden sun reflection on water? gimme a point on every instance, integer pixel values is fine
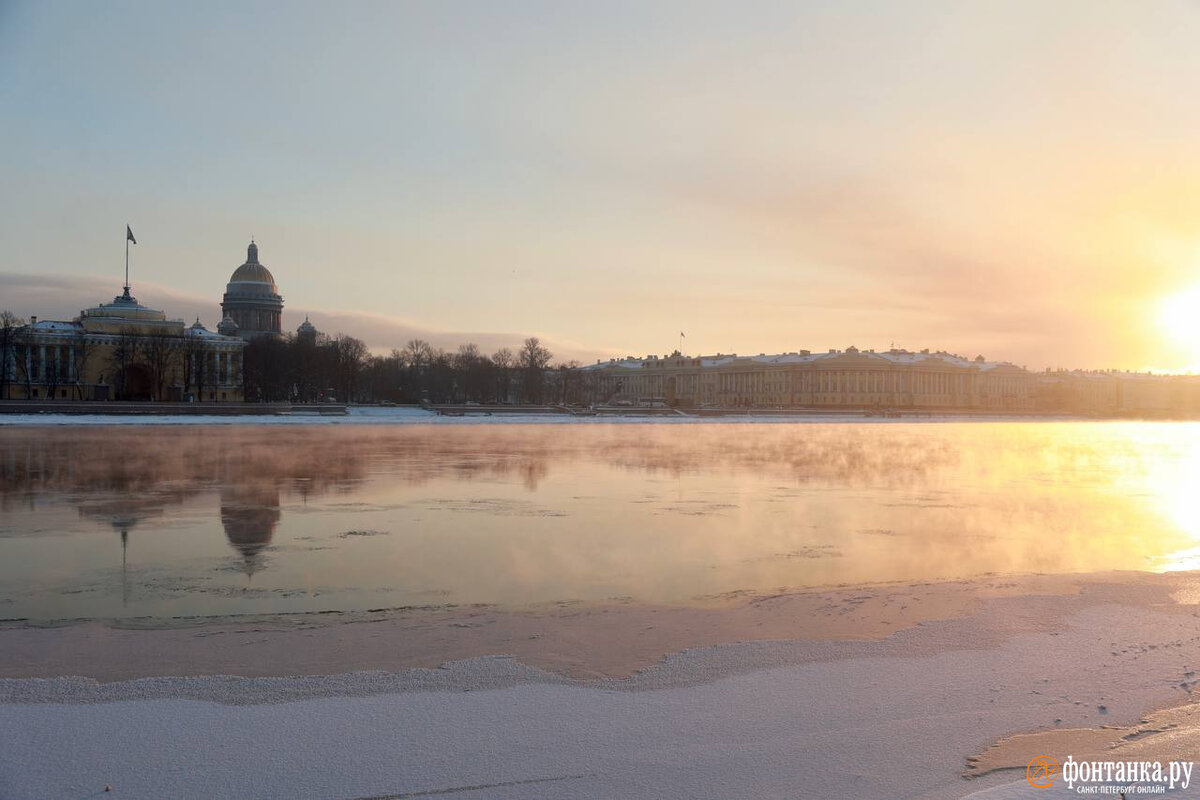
(1172, 484)
(244, 519)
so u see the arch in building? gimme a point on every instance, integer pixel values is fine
(138, 384)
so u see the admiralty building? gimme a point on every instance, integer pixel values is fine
(123, 350)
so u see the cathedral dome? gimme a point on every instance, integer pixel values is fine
(252, 303)
(253, 272)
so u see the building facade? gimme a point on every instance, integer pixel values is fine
(121, 351)
(849, 378)
(125, 351)
(1119, 393)
(252, 306)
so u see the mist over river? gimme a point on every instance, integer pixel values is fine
(161, 522)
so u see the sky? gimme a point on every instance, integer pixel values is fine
(1017, 179)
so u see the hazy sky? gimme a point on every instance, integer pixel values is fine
(1015, 179)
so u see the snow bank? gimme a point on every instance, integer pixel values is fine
(894, 724)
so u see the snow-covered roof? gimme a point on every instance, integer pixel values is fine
(198, 331)
(45, 325)
(899, 357)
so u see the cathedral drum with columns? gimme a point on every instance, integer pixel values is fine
(252, 306)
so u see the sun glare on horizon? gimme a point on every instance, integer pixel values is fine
(1179, 317)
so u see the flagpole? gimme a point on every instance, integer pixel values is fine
(127, 258)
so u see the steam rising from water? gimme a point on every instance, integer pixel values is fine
(160, 522)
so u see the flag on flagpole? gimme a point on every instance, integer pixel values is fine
(681, 335)
(129, 235)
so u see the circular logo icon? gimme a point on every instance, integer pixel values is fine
(1041, 772)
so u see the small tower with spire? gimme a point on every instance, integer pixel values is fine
(307, 332)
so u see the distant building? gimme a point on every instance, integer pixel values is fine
(307, 332)
(1118, 393)
(252, 302)
(123, 351)
(849, 378)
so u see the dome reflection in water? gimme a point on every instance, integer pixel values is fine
(243, 519)
(249, 516)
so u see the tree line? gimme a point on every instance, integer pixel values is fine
(311, 369)
(292, 368)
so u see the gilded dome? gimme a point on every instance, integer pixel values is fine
(252, 271)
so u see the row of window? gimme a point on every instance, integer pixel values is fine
(58, 364)
(824, 381)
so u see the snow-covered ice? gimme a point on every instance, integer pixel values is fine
(891, 725)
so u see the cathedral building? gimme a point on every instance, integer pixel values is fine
(252, 306)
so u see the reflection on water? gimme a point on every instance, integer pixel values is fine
(227, 520)
(249, 516)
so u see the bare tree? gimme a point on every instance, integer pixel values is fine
(474, 372)
(570, 382)
(54, 371)
(306, 368)
(27, 366)
(162, 353)
(10, 324)
(466, 356)
(379, 379)
(267, 371)
(206, 372)
(439, 378)
(349, 359)
(81, 353)
(417, 353)
(191, 357)
(392, 374)
(125, 354)
(533, 360)
(418, 357)
(504, 361)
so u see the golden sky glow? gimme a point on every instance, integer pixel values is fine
(1013, 179)
(1180, 318)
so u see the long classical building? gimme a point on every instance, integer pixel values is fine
(124, 351)
(849, 378)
